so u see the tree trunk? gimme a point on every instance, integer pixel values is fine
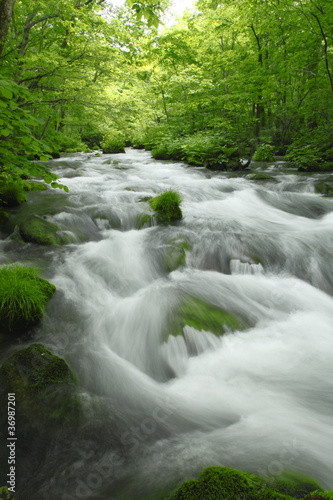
(6, 12)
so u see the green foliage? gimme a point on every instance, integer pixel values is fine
(5, 494)
(304, 156)
(113, 143)
(264, 152)
(23, 297)
(167, 207)
(11, 192)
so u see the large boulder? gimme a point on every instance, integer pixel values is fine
(23, 298)
(38, 230)
(43, 384)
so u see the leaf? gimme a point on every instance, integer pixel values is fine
(6, 93)
(5, 132)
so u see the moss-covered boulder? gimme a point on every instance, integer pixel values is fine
(324, 187)
(23, 298)
(43, 383)
(318, 495)
(113, 149)
(197, 314)
(176, 254)
(40, 231)
(167, 207)
(5, 494)
(294, 485)
(258, 176)
(222, 483)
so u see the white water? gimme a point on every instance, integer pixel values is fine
(163, 408)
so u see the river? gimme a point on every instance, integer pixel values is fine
(163, 407)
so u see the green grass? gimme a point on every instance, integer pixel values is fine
(23, 297)
(167, 207)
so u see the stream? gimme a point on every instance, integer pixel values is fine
(161, 407)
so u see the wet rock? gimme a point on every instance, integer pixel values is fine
(40, 231)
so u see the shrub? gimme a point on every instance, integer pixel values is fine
(23, 297)
(264, 152)
(167, 207)
(113, 143)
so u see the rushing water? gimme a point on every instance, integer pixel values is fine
(161, 408)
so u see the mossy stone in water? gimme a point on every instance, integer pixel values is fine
(258, 176)
(23, 298)
(222, 483)
(325, 188)
(176, 254)
(40, 231)
(202, 316)
(167, 207)
(43, 383)
(5, 494)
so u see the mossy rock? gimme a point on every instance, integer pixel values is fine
(44, 385)
(295, 485)
(167, 207)
(176, 254)
(40, 231)
(325, 188)
(23, 298)
(197, 314)
(222, 483)
(260, 177)
(5, 494)
(145, 220)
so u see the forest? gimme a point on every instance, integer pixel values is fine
(166, 273)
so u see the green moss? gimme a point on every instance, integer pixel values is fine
(167, 207)
(40, 231)
(260, 177)
(295, 485)
(23, 297)
(144, 220)
(5, 494)
(221, 483)
(201, 316)
(325, 188)
(176, 254)
(318, 495)
(44, 385)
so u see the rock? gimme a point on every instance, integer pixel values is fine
(40, 231)
(176, 254)
(5, 494)
(24, 296)
(260, 177)
(222, 483)
(325, 188)
(167, 207)
(198, 314)
(43, 384)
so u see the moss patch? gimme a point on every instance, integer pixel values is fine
(222, 483)
(176, 254)
(44, 385)
(325, 188)
(201, 316)
(11, 193)
(40, 231)
(167, 207)
(23, 297)
(5, 494)
(260, 177)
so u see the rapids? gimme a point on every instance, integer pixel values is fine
(161, 408)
